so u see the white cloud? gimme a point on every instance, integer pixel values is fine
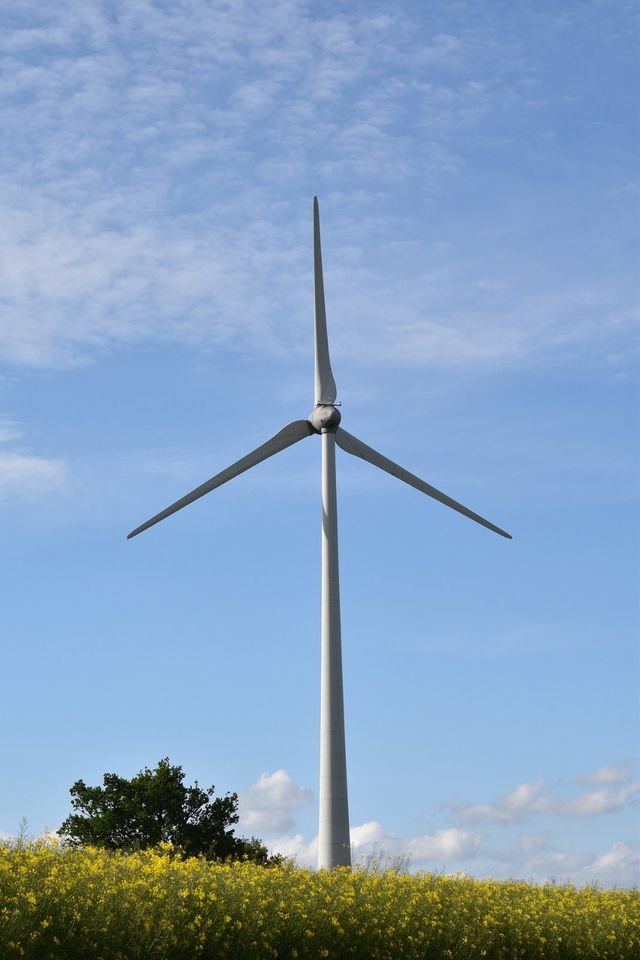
(434, 849)
(524, 800)
(26, 476)
(295, 847)
(530, 799)
(371, 841)
(618, 866)
(593, 803)
(610, 773)
(367, 834)
(271, 803)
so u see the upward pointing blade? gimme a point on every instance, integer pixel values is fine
(357, 448)
(293, 432)
(325, 385)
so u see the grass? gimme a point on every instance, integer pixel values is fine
(62, 904)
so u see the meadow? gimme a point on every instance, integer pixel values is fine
(67, 904)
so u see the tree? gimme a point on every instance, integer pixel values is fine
(153, 807)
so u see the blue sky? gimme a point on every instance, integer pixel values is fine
(477, 175)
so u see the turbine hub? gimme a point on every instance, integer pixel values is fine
(324, 418)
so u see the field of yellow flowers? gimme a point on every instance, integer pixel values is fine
(70, 904)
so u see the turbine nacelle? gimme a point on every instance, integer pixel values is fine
(324, 418)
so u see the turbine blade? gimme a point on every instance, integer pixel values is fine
(290, 434)
(357, 448)
(325, 385)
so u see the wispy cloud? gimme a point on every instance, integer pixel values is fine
(609, 773)
(24, 476)
(9, 429)
(530, 799)
(535, 858)
(75, 286)
(156, 190)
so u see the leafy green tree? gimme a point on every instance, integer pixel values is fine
(153, 807)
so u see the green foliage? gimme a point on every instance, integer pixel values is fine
(156, 807)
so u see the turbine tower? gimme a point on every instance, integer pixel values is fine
(334, 847)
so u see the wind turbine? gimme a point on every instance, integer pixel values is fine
(334, 847)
